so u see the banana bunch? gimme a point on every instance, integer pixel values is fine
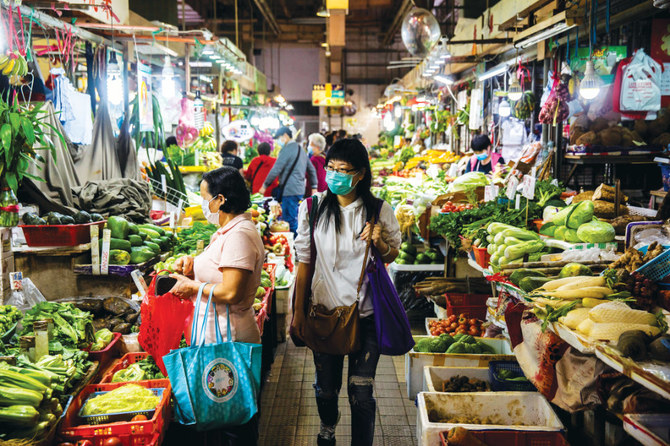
(13, 65)
(524, 107)
(204, 144)
(212, 159)
(207, 130)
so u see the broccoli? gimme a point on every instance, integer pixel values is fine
(423, 345)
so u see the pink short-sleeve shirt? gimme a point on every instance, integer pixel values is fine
(236, 245)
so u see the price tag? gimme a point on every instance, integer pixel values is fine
(16, 281)
(164, 183)
(512, 185)
(491, 192)
(104, 256)
(95, 250)
(139, 282)
(517, 203)
(528, 187)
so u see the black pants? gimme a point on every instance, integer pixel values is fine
(244, 435)
(362, 369)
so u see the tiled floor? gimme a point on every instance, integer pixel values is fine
(288, 407)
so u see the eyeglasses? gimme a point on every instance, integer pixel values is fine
(344, 171)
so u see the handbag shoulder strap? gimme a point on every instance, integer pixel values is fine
(253, 177)
(380, 203)
(295, 161)
(312, 208)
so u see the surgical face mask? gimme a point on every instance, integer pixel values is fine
(280, 143)
(310, 152)
(482, 156)
(339, 183)
(212, 217)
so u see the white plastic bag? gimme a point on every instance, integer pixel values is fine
(641, 84)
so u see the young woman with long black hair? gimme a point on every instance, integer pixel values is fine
(341, 231)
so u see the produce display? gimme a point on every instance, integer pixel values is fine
(577, 224)
(460, 324)
(508, 375)
(102, 339)
(56, 218)
(459, 343)
(135, 244)
(124, 399)
(508, 244)
(144, 369)
(409, 255)
(9, 316)
(72, 327)
(460, 383)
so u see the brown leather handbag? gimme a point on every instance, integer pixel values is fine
(336, 331)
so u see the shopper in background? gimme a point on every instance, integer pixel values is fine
(291, 166)
(341, 231)
(484, 160)
(315, 150)
(259, 168)
(330, 140)
(232, 264)
(341, 134)
(229, 150)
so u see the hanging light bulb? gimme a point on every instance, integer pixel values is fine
(323, 11)
(590, 85)
(114, 81)
(515, 92)
(389, 124)
(198, 111)
(504, 109)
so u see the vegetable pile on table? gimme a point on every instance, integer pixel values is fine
(135, 244)
(459, 343)
(187, 239)
(144, 369)
(577, 224)
(116, 314)
(508, 244)
(460, 383)
(9, 316)
(56, 218)
(461, 324)
(72, 327)
(408, 255)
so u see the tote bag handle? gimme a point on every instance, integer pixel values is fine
(198, 337)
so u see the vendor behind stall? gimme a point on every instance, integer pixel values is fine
(484, 160)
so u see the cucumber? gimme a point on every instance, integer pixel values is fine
(158, 229)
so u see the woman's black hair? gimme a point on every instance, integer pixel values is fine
(171, 141)
(480, 143)
(228, 181)
(353, 152)
(264, 148)
(228, 146)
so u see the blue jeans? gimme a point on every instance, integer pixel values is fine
(362, 369)
(289, 209)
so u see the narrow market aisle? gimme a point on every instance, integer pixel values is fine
(288, 407)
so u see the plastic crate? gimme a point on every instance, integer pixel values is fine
(133, 433)
(106, 355)
(460, 299)
(118, 416)
(657, 268)
(482, 257)
(59, 235)
(500, 385)
(514, 438)
(124, 362)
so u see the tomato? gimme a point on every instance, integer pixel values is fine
(473, 322)
(66, 444)
(462, 320)
(112, 441)
(452, 318)
(461, 331)
(453, 325)
(84, 443)
(473, 331)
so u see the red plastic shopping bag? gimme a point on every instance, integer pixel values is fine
(164, 319)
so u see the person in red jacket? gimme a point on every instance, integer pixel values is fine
(317, 155)
(259, 168)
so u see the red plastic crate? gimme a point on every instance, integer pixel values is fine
(59, 235)
(482, 256)
(515, 438)
(132, 433)
(467, 299)
(106, 355)
(124, 362)
(473, 310)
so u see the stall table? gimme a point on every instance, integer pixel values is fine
(609, 161)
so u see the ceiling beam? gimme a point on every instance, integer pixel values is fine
(287, 12)
(397, 21)
(268, 15)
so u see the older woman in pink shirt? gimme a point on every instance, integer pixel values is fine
(231, 264)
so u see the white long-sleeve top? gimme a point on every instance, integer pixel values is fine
(340, 255)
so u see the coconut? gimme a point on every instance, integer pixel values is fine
(662, 140)
(574, 135)
(610, 137)
(599, 124)
(588, 139)
(640, 127)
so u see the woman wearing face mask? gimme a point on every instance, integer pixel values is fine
(341, 231)
(483, 160)
(232, 265)
(316, 151)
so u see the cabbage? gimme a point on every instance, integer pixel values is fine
(581, 214)
(570, 235)
(469, 181)
(549, 212)
(596, 232)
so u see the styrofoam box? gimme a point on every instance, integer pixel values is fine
(415, 361)
(648, 429)
(434, 377)
(441, 312)
(522, 411)
(283, 296)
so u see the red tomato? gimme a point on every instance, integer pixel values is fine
(139, 418)
(473, 331)
(452, 318)
(473, 322)
(84, 443)
(453, 325)
(112, 441)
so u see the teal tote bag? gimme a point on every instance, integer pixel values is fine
(214, 385)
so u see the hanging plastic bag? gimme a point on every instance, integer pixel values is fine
(164, 319)
(641, 84)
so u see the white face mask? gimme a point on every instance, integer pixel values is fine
(212, 217)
